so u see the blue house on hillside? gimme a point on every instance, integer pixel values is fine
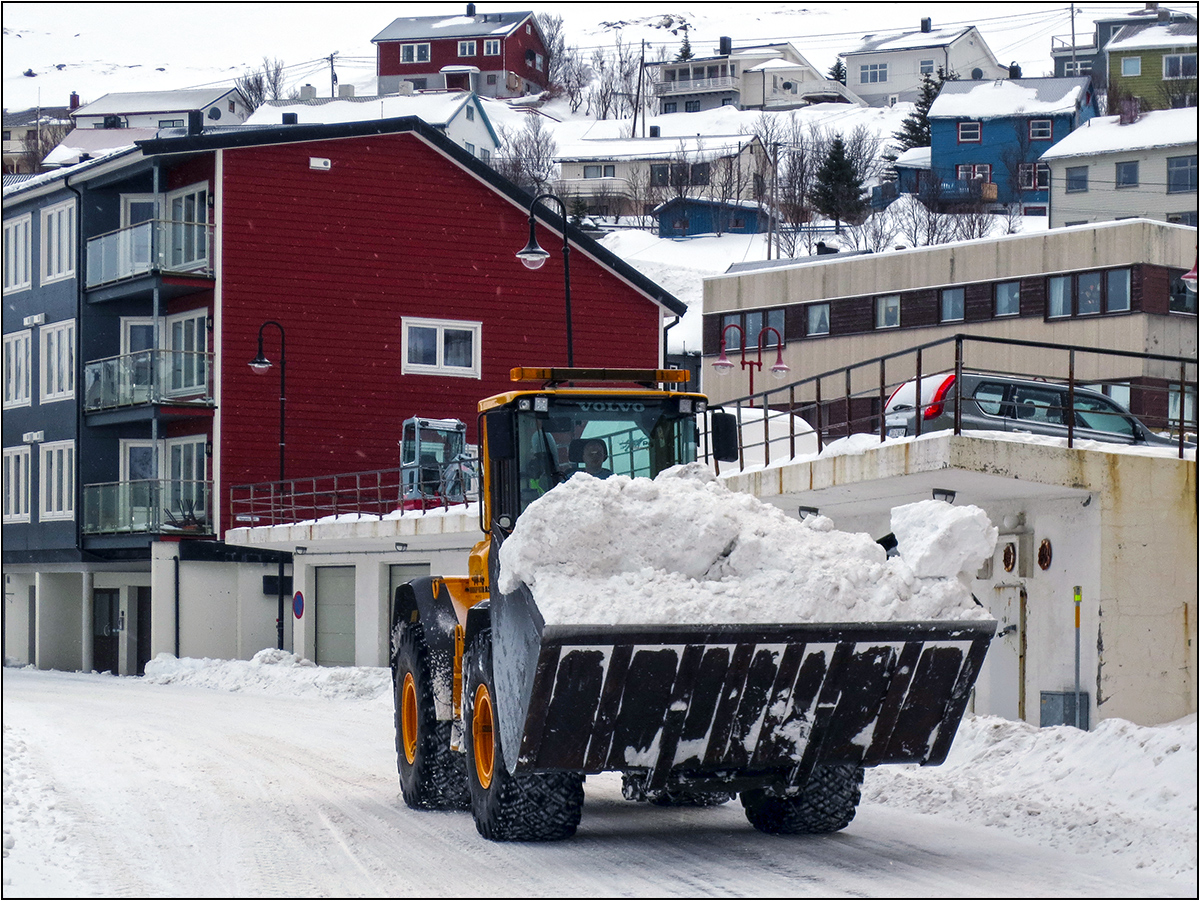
(988, 138)
(687, 216)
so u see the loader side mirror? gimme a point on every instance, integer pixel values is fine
(501, 443)
(725, 437)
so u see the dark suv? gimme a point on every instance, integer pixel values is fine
(1004, 404)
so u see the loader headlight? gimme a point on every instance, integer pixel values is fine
(541, 405)
(685, 405)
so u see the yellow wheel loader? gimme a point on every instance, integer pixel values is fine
(503, 714)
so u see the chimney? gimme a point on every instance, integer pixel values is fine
(1014, 71)
(926, 25)
(195, 122)
(308, 92)
(74, 102)
(471, 9)
(1164, 15)
(726, 46)
(345, 90)
(291, 119)
(655, 131)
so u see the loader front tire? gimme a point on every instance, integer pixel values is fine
(509, 807)
(827, 804)
(432, 775)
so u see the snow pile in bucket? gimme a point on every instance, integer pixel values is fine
(683, 548)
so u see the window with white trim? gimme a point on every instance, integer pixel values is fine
(1041, 129)
(17, 276)
(441, 347)
(1179, 65)
(187, 209)
(17, 362)
(56, 481)
(57, 347)
(926, 67)
(970, 132)
(189, 351)
(968, 171)
(873, 73)
(414, 53)
(1033, 176)
(466, 48)
(470, 147)
(16, 484)
(491, 47)
(1131, 66)
(887, 311)
(58, 242)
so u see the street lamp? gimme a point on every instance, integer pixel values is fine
(260, 364)
(533, 256)
(1189, 277)
(723, 364)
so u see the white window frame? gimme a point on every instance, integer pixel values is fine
(58, 242)
(56, 481)
(1041, 129)
(873, 73)
(1180, 57)
(18, 361)
(966, 129)
(56, 342)
(18, 272)
(883, 303)
(188, 378)
(470, 148)
(474, 371)
(925, 67)
(16, 483)
(491, 47)
(1131, 66)
(418, 53)
(193, 250)
(466, 48)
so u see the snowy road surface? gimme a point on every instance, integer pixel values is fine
(123, 787)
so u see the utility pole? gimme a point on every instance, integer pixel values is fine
(1074, 65)
(332, 77)
(638, 101)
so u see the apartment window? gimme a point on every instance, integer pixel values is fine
(1033, 211)
(16, 484)
(16, 253)
(1041, 129)
(670, 107)
(1127, 174)
(873, 73)
(1131, 66)
(1033, 176)
(1088, 288)
(1088, 293)
(1179, 65)
(187, 483)
(752, 326)
(701, 173)
(189, 351)
(58, 361)
(470, 147)
(1079, 67)
(610, 171)
(691, 106)
(591, 171)
(1008, 299)
(1189, 406)
(188, 211)
(926, 67)
(56, 481)
(170, 123)
(953, 305)
(58, 242)
(17, 361)
(1181, 174)
(440, 347)
(1077, 179)
(1187, 217)
(817, 319)
(660, 175)
(887, 311)
(466, 48)
(491, 47)
(969, 132)
(414, 53)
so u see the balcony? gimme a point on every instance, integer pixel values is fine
(148, 506)
(698, 85)
(148, 378)
(162, 246)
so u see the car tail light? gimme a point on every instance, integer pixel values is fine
(934, 410)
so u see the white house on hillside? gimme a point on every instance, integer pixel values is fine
(1108, 170)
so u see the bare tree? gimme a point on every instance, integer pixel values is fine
(263, 84)
(614, 82)
(921, 218)
(973, 221)
(555, 37)
(728, 178)
(876, 233)
(641, 196)
(527, 154)
(39, 141)
(574, 76)
(864, 150)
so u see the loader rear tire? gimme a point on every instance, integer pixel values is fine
(827, 804)
(509, 807)
(432, 775)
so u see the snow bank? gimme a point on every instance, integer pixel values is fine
(683, 548)
(938, 540)
(1121, 791)
(273, 672)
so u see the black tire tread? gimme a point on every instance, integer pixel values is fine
(827, 804)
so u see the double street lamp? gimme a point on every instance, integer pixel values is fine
(261, 364)
(533, 256)
(723, 364)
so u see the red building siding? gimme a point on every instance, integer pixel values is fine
(445, 53)
(338, 257)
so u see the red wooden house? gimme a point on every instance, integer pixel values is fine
(492, 54)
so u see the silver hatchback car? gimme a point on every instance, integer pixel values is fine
(1005, 404)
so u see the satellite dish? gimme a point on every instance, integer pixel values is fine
(214, 113)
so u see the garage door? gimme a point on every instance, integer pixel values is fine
(335, 615)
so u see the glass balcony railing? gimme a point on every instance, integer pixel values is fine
(148, 506)
(148, 377)
(697, 85)
(157, 245)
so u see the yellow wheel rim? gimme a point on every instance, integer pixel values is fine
(408, 718)
(482, 735)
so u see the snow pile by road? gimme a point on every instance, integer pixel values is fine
(683, 548)
(1121, 791)
(271, 671)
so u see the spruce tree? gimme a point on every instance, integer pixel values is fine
(914, 130)
(685, 49)
(837, 72)
(839, 190)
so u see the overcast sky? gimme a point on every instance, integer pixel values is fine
(96, 48)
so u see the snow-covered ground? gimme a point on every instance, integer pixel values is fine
(273, 777)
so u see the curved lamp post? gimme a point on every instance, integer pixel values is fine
(723, 364)
(533, 256)
(260, 364)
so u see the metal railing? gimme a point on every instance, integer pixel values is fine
(148, 506)
(695, 85)
(157, 245)
(852, 399)
(148, 377)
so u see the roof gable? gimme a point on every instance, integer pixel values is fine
(909, 40)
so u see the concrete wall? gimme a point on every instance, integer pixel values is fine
(18, 618)
(60, 632)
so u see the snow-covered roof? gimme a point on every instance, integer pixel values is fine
(93, 141)
(697, 147)
(415, 28)
(708, 201)
(1009, 97)
(33, 115)
(1158, 128)
(45, 178)
(908, 40)
(153, 101)
(1157, 36)
(916, 158)
(776, 64)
